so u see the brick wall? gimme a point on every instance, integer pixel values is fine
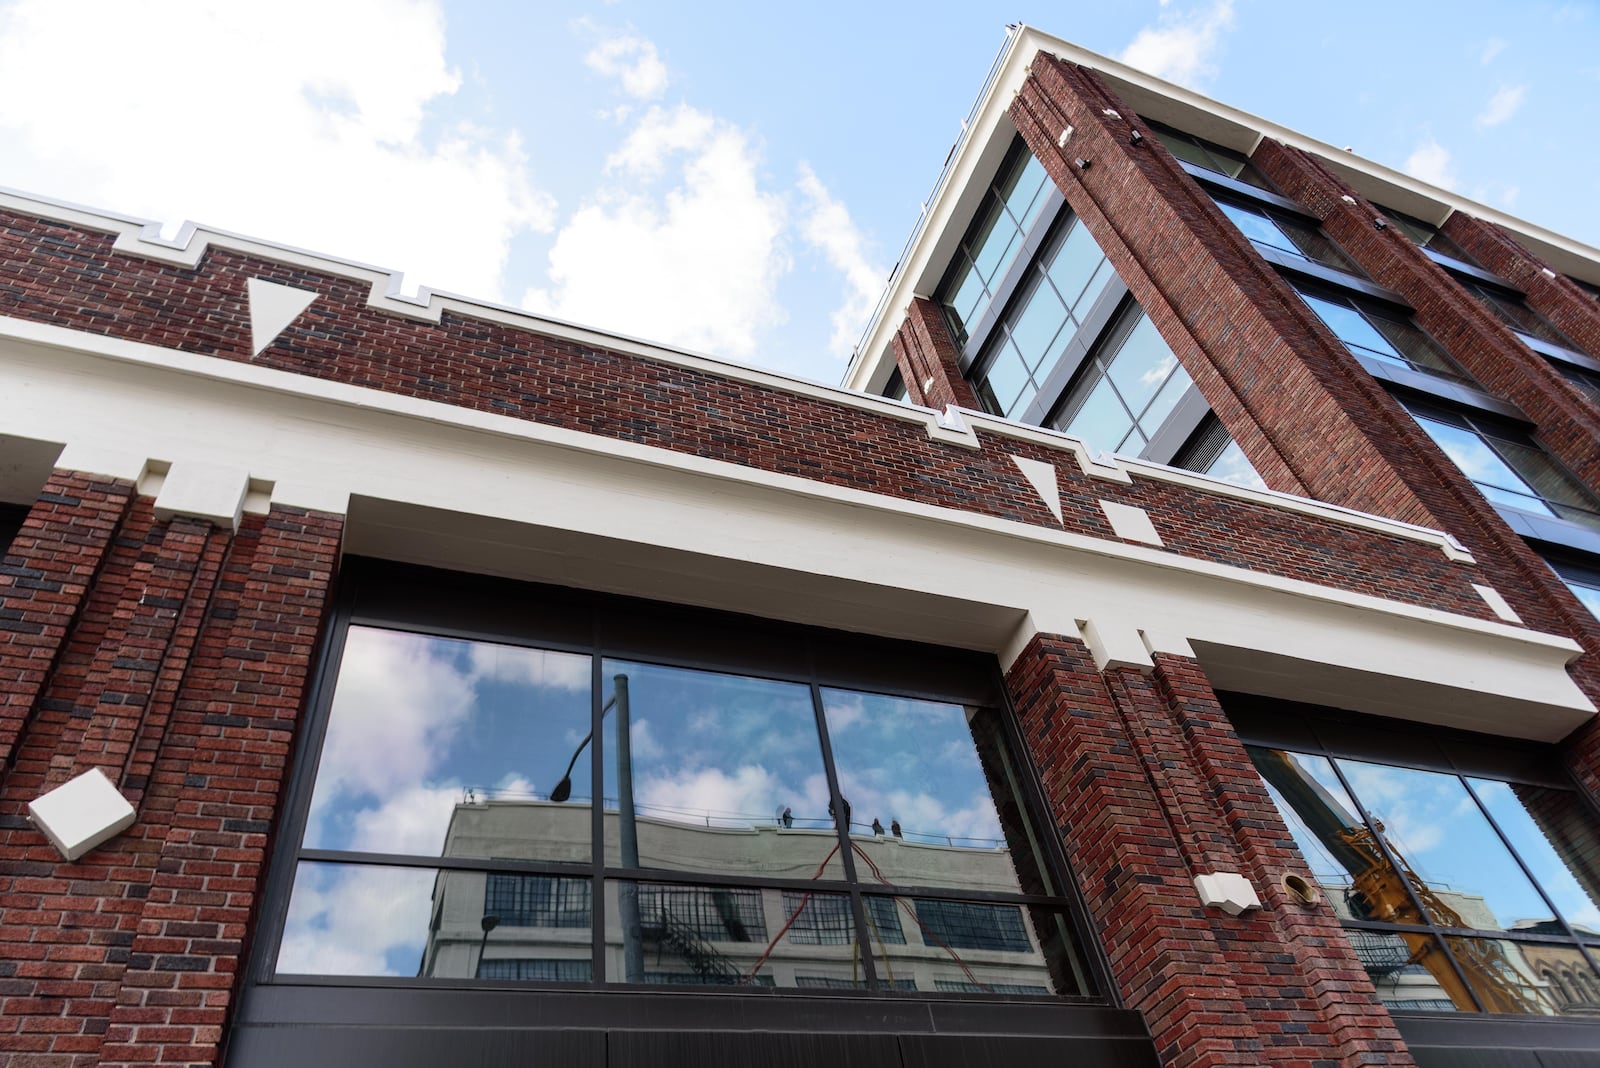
(178, 658)
(1150, 787)
(70, 277)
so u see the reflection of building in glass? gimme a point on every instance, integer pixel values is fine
(502, 925)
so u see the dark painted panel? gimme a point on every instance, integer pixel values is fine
(1472, 1058)
(965, 1051)
(1561, 1058)
(669, 1049)
(344, 1047)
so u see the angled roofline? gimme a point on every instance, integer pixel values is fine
(953, 202)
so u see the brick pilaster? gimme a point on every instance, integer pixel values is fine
(1574, 312)
(44, 579)
(929, 359)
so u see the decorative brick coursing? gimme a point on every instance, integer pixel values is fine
(930, 360)
(71, 277)
(132, 954)
(1149, 787)
(43, 578)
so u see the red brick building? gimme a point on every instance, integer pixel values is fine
(1191, 669)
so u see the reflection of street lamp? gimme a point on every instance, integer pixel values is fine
(628, 832)
(488, 923)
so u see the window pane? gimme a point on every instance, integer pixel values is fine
(1008, 379)
(1344, 855)
(1414, 345)
(1100, 419)
(709, 936)
(991, 239)
(1351, 327)
(971, 925)
(353, 919)
(1410, 971)
(1464, 874)
(1483, 466)
(1141, 366)
(516, 900)
(1552, 832)
(437, 746)
(1075, 263)
(968, 295)
(1026, 197)
(1041, 318)
(1231, 465)
(725, 771)
(1513, 977)
(1588, 593)
(1259, 228)
(910, 775)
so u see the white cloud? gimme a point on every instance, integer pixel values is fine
(633, 61)
(1431, 163)
(1491, 49)
(1181, 47)
(1503, 105)
(696, 265)
(749, 795)
(315, 138)
(827, 226)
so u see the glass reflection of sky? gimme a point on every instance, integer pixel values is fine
(913, 762)
(1431, 821)
(1330, 874)
(349, 919)
(1577, 906)
(419, 721)
(715, 750)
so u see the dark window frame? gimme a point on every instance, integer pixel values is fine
(1334, 734)
(449, 604)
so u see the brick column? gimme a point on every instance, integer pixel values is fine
(930, 360)
(44, 580)
(1150, 788)
(216, 788)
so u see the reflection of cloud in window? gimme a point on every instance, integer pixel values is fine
(1158, 374)
(399, 700)
(748, 796)
(356, 921)
(529, 667)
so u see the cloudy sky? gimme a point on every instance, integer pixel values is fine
(734, 182)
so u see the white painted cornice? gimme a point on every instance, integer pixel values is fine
(433, 483)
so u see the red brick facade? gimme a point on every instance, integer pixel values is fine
(176, 656)
(180, 663)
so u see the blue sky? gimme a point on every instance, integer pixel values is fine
(738, 181)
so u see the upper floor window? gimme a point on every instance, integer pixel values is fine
(1009, 209)
(1426, 235)
(1582, 578)
(1462, 871)
(895, 388)
(1210, 451)
(1126, 389)
(1282, 233)
(1052, 305)
(1507, 466)
(1512, 310)
(1209, 155)
(1369, 330)
(509, 783)
(1588, 287)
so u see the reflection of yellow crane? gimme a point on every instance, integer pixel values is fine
(1378, 892)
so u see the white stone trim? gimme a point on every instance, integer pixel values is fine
(272, 308)
(1501, 607)
(1131, 523)
(433, 483)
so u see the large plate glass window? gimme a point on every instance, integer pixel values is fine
(1286, 235)
(1462, 890)
(518, 805)
(1209, 155)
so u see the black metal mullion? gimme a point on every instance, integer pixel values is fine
(1428, 925)
(841, 825)
(597, 806)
